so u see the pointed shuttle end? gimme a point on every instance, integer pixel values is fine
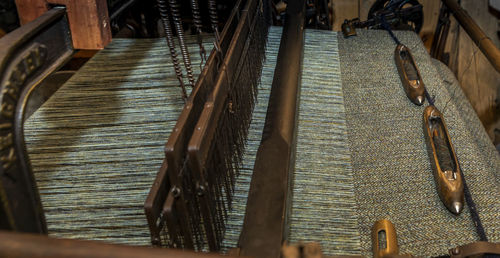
(457, 207)
(420, 100)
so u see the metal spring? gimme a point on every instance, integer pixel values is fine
(162, 7)
(196, 15)
(175, 9)
(198, 24)
(212, 11)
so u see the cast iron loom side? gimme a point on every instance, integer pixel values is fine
(27, 56)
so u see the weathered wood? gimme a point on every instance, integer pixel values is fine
(364, 8)
(31, 245)
(431, 16)
(85, 54)
(28, 10)
(344, 9)
(479, 80)
(484, 43)
(88, 19)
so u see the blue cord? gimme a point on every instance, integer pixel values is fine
(428, 97)
(468, 197)
(388, 28)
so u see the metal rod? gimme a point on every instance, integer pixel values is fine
(266, 218)
(474, 31)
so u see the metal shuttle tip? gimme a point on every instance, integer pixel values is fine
(420, 100)
(457, 208)
(444, 162)
(410, 75)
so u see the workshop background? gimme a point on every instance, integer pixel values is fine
(479, 80)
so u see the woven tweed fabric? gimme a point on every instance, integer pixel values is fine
(475, 128)
(323, 199)
(242, 184)
(392, 172)
(97, 143)
(324, 203)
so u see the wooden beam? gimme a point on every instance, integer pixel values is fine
(29, 10)
(88, 19)
(19, 245)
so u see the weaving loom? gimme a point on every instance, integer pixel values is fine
(97, 144)
(324, 91)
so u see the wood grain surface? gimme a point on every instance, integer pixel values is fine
(88, 19)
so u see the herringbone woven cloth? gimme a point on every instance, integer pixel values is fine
(391, 168)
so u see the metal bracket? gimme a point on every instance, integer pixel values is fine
(27, 56)
(476, 249)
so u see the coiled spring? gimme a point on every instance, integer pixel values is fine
(198, 24)
(176, 16)
(212, 11)
(162, 7)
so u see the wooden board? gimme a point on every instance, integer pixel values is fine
(479, 80)
(343, 9)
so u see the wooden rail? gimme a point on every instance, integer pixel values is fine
(17, 245)
(483, 42)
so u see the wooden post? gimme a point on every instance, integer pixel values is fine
(88, 19)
